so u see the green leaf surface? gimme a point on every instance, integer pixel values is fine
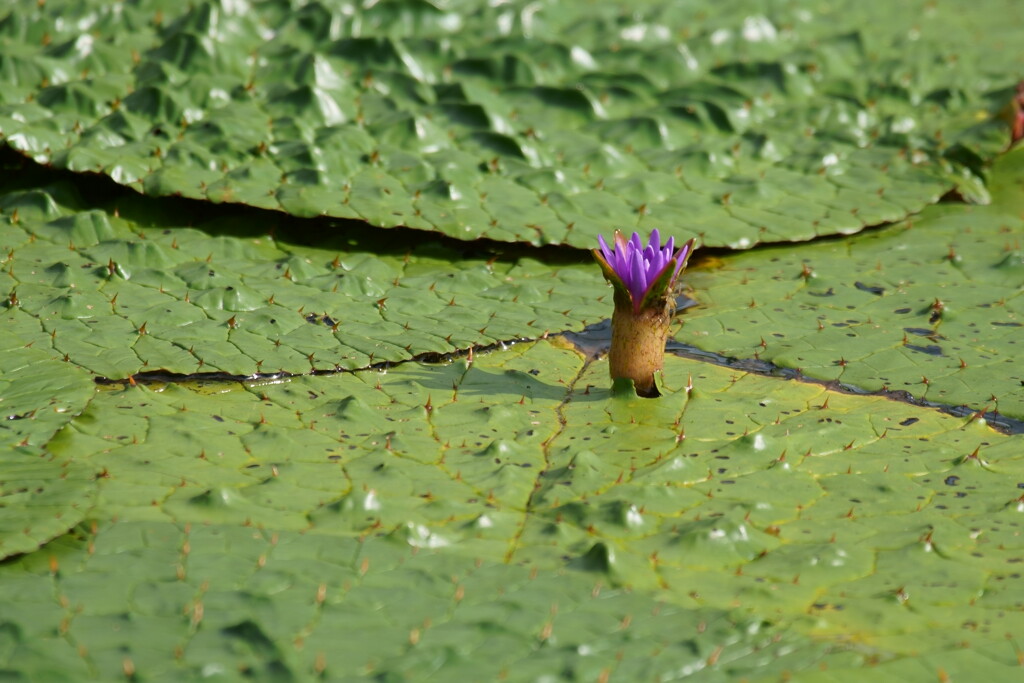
(38, 395)
(931, 307)
(426, 481)
(230, 603)
(40, 499)
(801, 509)
(119, 284)
(738, 122)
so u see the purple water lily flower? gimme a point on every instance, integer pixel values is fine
(644, 279)
(640, 268)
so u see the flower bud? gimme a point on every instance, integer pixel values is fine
(644, 281)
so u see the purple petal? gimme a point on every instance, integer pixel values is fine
(684, 251)
(655, 264)
(637, 277)
(637, 265)
(635, 241)
(655, 241)
(605, 251)
(621, 265)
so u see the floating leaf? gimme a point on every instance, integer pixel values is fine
(120, 285)
(928, 307)
(519, 122)
(40, 499)
(224, 599)
(731, 495)
(505, 514)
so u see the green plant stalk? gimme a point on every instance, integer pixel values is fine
(638, 346)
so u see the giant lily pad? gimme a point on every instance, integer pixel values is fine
(41, 497)
(367, 514)
(118, 284)
(218, 601)
(930, 307)
(727, 495)
(520, 121)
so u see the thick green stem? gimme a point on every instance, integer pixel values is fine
(638, 346)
